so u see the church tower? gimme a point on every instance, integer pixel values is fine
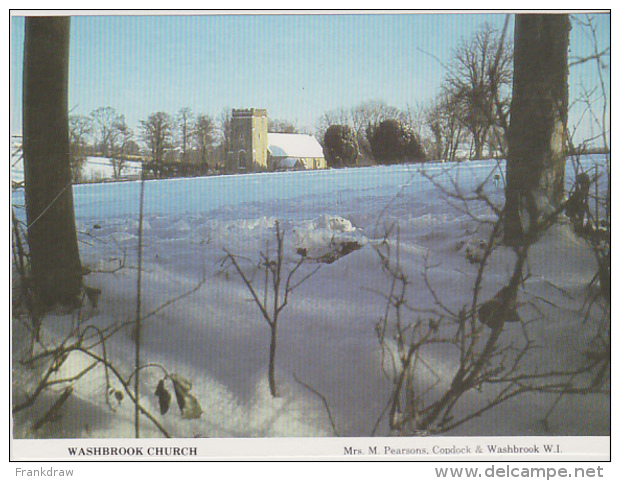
(248, 147)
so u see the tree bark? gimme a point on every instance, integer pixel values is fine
(537, 134)
(54, 256)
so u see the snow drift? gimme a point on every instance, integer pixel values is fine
(201, 323)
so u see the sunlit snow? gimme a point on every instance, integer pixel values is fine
(213, 334)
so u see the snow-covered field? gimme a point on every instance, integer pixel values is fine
(100, 168)
(201, 322)
(96, 169)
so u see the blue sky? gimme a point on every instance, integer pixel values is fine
(295, 66)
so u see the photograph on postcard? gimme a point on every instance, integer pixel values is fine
(296, 228)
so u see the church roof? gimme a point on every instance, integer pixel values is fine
(294, 145)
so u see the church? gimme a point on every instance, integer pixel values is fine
(254, 149)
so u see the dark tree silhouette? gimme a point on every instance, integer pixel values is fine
(158, 136)
(204, 133)
(340, 146)
(392, 142)
(537, 134)
(54, 256)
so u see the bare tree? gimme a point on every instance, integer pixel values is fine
(54, 256)
(373, 112)
(157, 133)
(594, 100)
(282, 126)
(333, 117)
(490, 356)
(446, 129)
(590, 208)
(277, 289)
(103, 120)
(479, 79)
(119, 141)
(185, 131)
(204, 132)
(80, 127)
(224, 131)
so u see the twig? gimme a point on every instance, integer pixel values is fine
(279, 294)
(325, 403)
(50, 414)
(138, 320)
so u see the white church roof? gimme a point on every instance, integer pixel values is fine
(294, 145)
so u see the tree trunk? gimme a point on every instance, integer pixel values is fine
(537, 134)
(271, 373)
(54, 257)
(478, 143)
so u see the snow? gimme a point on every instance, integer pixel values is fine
(100, 168)
(201, 322)
(96, 169)
(294, 145)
